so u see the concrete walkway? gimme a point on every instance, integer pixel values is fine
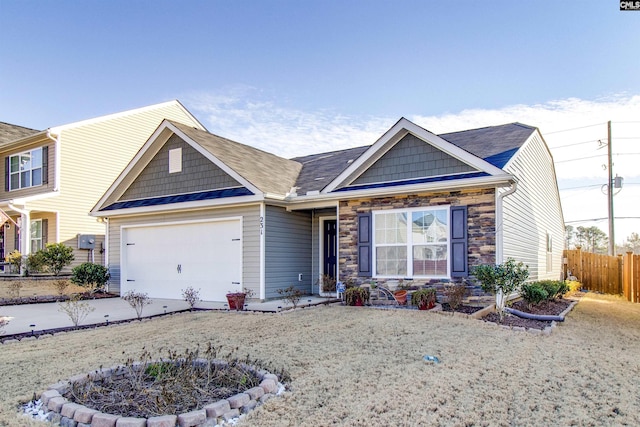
(42, 317)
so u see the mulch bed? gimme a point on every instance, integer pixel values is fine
(554, 307)
(466, 309)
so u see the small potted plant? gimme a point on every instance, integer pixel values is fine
(424, 298)
(236, 299)
(356, 296)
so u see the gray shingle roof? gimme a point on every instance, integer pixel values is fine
(266, 171)
(9, 132)
(318, 170)
(491, 141)
(495, 144)
(273, 174)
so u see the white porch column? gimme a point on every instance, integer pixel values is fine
(25, 235)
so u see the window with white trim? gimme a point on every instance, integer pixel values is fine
(25, 169)
(36, 235)
(411, 242)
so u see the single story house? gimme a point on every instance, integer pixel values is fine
(196, 209)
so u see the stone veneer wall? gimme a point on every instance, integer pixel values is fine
(481, 218)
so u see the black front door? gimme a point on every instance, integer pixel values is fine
(330, 247)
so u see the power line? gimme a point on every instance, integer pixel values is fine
(600, 219)
(567, 130)
(582, 186)
(575, 143)
(580, 158)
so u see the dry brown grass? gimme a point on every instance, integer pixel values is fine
(38, 287)
(355, 366)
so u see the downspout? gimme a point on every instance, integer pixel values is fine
(25, 232)
(56, 150)
(500, 222)
(106, 248)
(500, 298)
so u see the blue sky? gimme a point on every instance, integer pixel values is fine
(296, 77)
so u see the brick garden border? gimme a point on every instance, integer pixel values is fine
(69, 414)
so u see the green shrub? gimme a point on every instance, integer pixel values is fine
(56, 256)
(91, 276)
(563, 288)
(35, 262)
(554, 288)
(501, 280)
(533, 293)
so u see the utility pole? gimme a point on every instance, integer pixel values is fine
(612, 243)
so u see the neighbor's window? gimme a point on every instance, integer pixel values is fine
(36, 235)
(411, 242)
(25, 169)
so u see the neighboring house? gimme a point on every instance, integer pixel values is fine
(54, 177)
(195, 209)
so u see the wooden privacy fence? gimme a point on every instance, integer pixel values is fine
(603, 273)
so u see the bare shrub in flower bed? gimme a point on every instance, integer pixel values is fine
(177, 384)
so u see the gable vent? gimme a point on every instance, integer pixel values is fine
(175, 160)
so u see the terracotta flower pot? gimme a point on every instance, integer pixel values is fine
(236, 301)
(401, 297)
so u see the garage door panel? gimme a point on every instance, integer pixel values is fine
(164, 260)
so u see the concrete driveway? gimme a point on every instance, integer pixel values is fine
(48, 315)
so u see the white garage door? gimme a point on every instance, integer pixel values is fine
(162, 260)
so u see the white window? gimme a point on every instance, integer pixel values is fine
(175, 160)
(25, 169)
(36, 235)
(411, 242)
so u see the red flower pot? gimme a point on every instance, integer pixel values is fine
(236, 301)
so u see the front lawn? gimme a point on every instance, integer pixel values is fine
(352, 366)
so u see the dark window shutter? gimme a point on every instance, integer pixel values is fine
(459, 245)
(364, 244)
(45, 233)
(16, 238)
(6, 173)
(45, 165)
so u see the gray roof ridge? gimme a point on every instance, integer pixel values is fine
(19, 126)
(250, 147)
(266, 171)
(489, 127)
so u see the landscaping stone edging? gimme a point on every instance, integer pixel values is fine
(69, 414)
(556, 318)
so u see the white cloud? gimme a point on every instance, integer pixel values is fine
(245, 115)
(571, 127)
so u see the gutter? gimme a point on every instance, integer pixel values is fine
(500, 222)
(56, 149)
